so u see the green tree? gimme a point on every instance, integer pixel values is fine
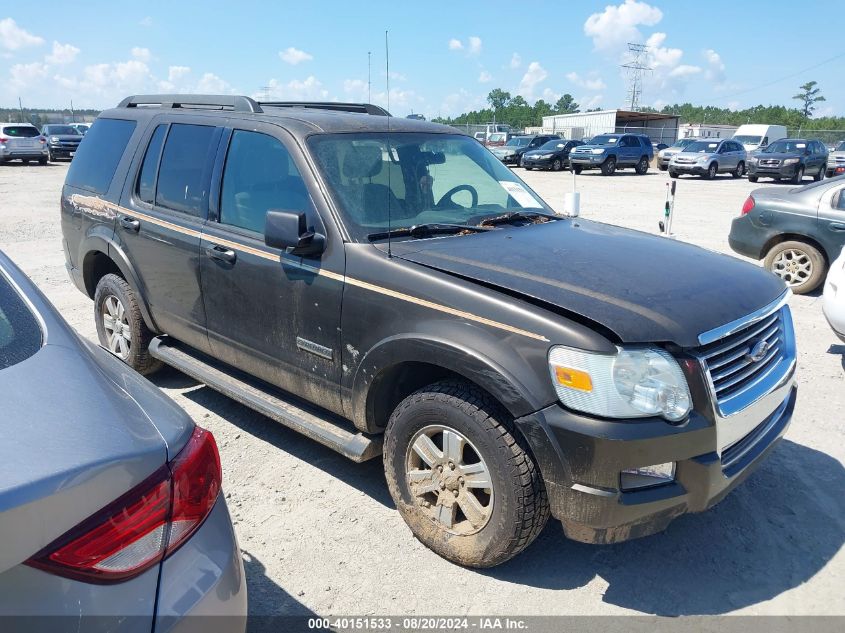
(809, 96)
(498, 98)
(566, 105)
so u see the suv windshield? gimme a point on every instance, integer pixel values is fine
(400, 180)
(787, 147)
(604, 139)
(61, 129)
(745, 139)
(21, 131)
(519, 141)
(20, 334)
(682, 142)
(498, 136)
(702, 147)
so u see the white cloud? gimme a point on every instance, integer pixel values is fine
(176, 73)
(684, 70)
(592, 102)
(62, 54)
(146, 21)
(455, 45)
(715, 67)
(309, 89)
(516, 61)
(294, 56)
(461, 101)
(474, 45)
(210, 83)
(13, 37)
(616, 25)
(590, 83)
(24, 75)
(533, 76)
(141, 54)
(484, 77)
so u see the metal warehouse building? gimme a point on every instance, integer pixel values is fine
(661, 128)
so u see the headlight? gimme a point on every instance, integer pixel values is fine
(752, 160)
(634, 382)
(54, 139)
(661, 153)
(791, 161)
(598, 151)
(703, 159)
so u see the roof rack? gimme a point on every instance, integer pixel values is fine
(235, 103)
(361, 108)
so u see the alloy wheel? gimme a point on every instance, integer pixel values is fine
(116, 326)
(793, 266)
(449, 480)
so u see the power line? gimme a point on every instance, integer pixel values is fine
(773, 82)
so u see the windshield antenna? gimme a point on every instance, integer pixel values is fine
(389, 150)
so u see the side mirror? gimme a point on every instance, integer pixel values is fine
(288, 231)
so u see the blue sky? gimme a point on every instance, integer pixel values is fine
(445, 57)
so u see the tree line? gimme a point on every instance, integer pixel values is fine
(42, 116)
(516, 111)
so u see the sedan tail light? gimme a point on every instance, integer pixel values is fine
(748, 206)
(143, 526)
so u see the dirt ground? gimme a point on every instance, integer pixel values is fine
(320, 535)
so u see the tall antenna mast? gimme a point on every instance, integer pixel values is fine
(369, 77)
(389, 149)
(636, 68)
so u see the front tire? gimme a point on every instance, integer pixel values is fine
(642, 166)
(740, 169)
(663, 167)
(711, 172)
(577, 169)
(799, 264)
(608, 167)
(819, 176)
(673, 173)
(51, 158)
(120, 326)
(462, 478)
(752, 179)
(42, 160)
(557, 165)
(798, 178)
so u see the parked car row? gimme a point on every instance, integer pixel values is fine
(25, 142)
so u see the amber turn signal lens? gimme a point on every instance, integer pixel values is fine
(573, 378)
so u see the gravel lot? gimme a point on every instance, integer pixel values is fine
(320, 535)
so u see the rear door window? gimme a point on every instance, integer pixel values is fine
(185, 164)
(20, 334)
(259, 176)
(99, 153)
(149, 169)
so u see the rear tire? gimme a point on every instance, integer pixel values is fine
(120, 325)
(740, 169)
(799, 264)
(442, 444)
(798, 178)
(819, 176)
(642, 166)
(752, 179)
(608, 167)
(577, 169)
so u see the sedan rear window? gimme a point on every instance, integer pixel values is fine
(20, 131)
(20, 334)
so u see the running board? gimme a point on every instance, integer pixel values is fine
(323, 427)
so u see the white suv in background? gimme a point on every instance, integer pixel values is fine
(22, 141)
(833, 303)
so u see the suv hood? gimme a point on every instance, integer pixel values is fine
(778, 155)
(587, 148)
(643, 288)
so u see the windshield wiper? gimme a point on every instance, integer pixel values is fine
(425, 230)
(516, 216)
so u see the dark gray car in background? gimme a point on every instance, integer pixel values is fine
(62, 140)
(789, 159)
(797, 231)
(110, 512)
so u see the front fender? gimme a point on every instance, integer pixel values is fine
(518, 386)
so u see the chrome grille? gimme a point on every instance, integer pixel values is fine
(769, 162)
(746, 363)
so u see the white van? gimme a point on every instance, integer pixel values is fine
(756, 136)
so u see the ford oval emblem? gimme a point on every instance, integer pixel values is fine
(758, 351)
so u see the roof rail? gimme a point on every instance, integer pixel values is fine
(361, 108)
(235, 103)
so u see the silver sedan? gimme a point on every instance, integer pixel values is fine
(110, 508)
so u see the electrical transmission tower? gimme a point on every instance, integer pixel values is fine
(636, 68)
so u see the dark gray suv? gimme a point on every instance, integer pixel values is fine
(388, 288)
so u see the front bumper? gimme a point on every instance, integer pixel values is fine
(689, 168)
(63, 151)
(592, 161)
(511, 159)
(781, 171)
(581, 459)
(542, 163)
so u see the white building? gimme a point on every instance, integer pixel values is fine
(660, 128)
(701, 130)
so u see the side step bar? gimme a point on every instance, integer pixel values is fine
(323, 427)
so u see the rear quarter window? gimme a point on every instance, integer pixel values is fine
(99, 153)
(20, 334)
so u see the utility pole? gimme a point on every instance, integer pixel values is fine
(369, 77)
(72, 113)
(20, 106)
(635, 69)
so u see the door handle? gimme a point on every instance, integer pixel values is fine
(130, 224)
(836, 226)
(221, 253)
